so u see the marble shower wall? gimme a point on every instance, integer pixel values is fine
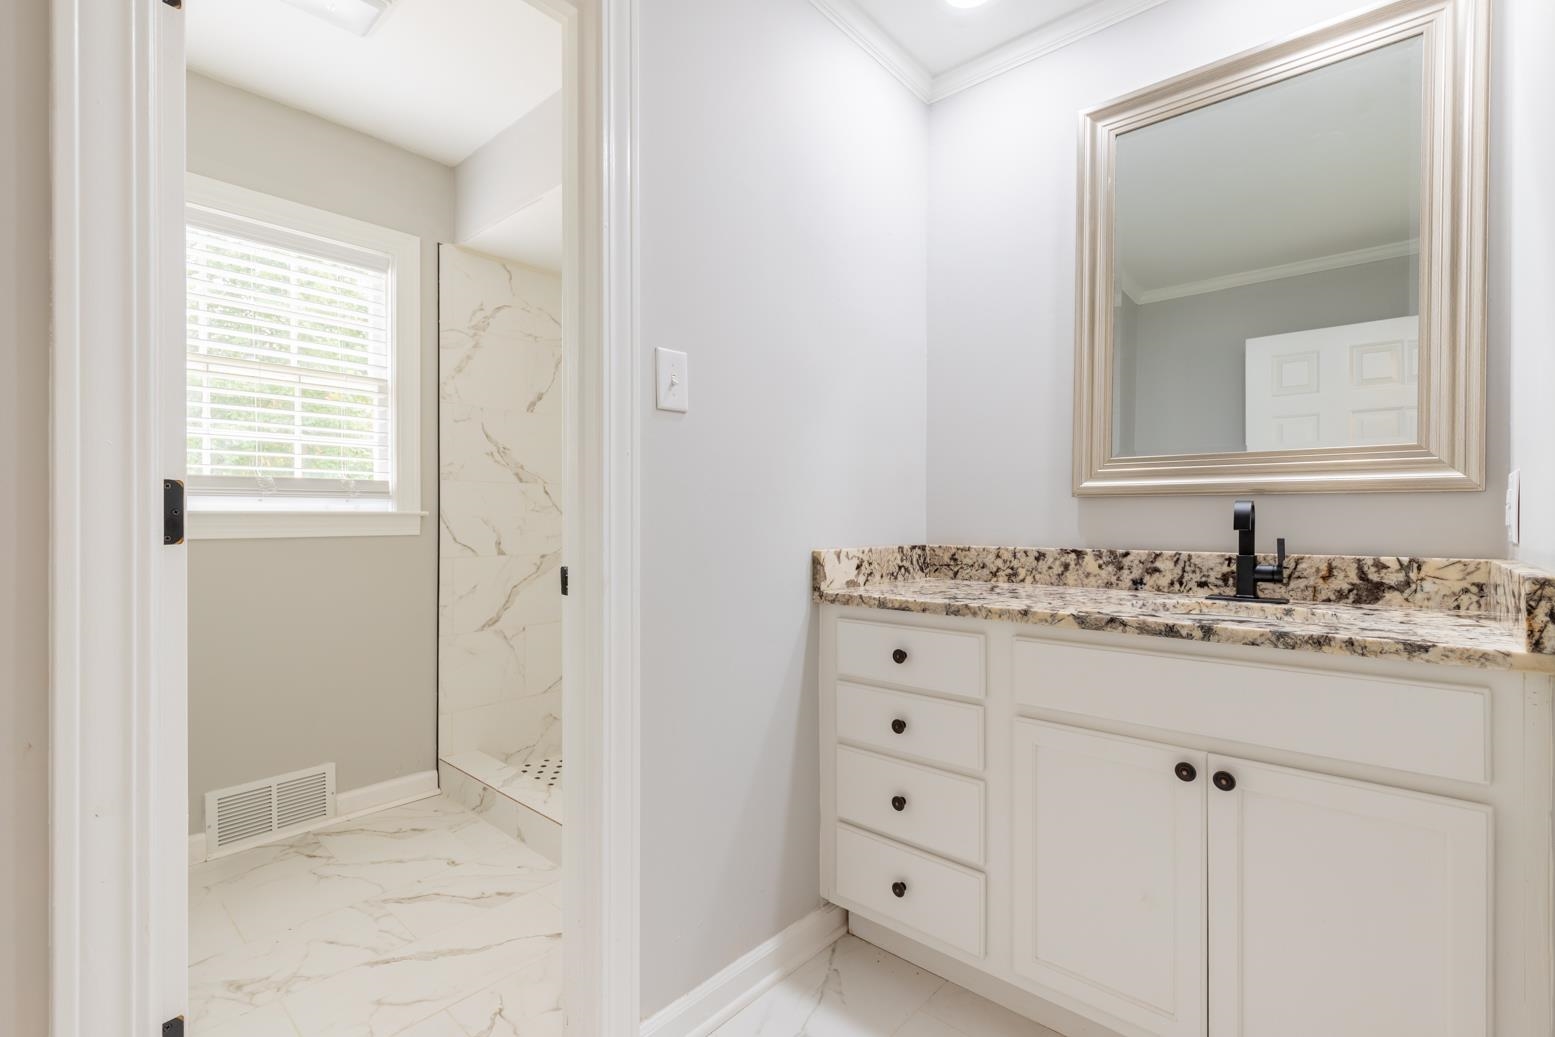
(500, 500)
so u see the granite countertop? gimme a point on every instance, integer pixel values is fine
(1455, 612)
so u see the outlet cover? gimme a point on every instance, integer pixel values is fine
(1514, 505)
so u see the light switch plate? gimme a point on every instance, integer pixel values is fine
(1514, 505)
(671, 365)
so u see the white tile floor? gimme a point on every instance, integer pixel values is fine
(425, 921)
(421, 920)
(854, 989)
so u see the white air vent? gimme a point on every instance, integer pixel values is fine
(261, 810)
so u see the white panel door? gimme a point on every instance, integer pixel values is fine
(1351, 385)
(1109, 874)
(1344, 909)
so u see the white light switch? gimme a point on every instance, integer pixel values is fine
(671, 364)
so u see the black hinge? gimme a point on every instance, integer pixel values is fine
(172, 517)
(175, 3)
(564, 579)
(173, 1027)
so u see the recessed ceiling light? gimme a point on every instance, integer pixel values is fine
(358, 16)
(964, 4)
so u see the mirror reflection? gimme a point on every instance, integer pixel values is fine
(1266, 272)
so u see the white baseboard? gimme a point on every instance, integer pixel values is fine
(351, 803)
(715, 1002)
(385, 794)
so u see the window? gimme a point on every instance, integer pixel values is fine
(303, 361)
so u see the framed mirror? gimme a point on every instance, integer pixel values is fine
(1282, 266)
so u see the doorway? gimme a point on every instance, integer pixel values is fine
(121, 402)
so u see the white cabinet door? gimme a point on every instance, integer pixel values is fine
(1109, 874)
(1344, 909)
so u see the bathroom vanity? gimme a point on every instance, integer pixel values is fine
(1070, 782)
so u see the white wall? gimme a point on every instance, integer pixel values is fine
(1522, 254)
(1001, 313)
(303, 651)
(511, 170)
(24, 548)
(783, 192)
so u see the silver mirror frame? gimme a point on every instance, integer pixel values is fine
(1451, 454)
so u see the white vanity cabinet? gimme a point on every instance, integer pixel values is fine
(1158, 839)
(1332, 907)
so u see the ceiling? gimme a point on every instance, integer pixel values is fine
(435, 77)
(940, 37)
(1311, 169)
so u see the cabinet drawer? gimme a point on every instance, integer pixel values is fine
(944, 732)
(938, 899)
(1423, 727)
(939, 811)
(935, 660)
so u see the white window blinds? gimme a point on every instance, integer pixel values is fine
(289, 363)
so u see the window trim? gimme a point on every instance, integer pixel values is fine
(267, 213)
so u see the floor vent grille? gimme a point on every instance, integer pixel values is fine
(243, 815)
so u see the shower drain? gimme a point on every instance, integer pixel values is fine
(547, 771)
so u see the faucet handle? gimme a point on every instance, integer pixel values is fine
(1279, 554)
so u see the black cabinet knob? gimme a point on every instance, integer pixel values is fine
(1187, 771)
(899, 888)
(899, 725)
(899, 656)
(898, 803)
(1224, 781)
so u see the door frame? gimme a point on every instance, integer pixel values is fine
(117, 599)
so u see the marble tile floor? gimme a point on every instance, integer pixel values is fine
(854, 989)
(421, 920)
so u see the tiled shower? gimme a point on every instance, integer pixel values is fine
(501, 465)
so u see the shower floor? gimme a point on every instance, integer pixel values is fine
(521, 794)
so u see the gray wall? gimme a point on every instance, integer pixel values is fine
(303, 651)
(24, 458)
(1001, 311)
(1188, 356)
(782, 246)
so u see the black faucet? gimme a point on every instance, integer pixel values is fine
(1249, 574)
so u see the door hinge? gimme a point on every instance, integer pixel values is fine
(173, 1027)
(172, 511)
(175, 3)
(564, 579)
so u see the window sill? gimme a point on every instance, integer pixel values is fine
(278, 525)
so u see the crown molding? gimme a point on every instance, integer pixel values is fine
(1337, 261)
(862, 30)
(929, 88)
(1055, 35)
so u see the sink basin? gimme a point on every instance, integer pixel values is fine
(1295, 611)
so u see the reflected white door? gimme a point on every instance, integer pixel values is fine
(1350, 385)
(1344, 909)
(1109, 874)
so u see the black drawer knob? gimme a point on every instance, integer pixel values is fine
(1224, 781)
(899, 889)
(899, 725)
(1187, 771)
(899, 656)
(898, 803)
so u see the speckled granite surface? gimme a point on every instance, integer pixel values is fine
(1455, 612)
